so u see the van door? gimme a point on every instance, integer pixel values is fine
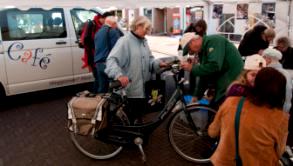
(79, 17)
(3, 78)
(37, 49)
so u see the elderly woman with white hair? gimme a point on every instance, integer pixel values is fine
(131, 62)
(272, 57)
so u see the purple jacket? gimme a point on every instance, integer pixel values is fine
(237, 90)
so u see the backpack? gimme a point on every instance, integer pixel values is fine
(87, 41)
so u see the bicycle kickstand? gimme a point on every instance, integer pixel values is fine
(138, 141)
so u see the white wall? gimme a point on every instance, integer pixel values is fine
(291, 23)
(282, 19)
(212, 23)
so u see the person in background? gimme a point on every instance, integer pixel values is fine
(272, 57)
(220, 63)
(87, 41)
(242, 86)
(256, 40)
(132, 63)
(105, 39)
(199, 28)
(283, 45)
(263, 127)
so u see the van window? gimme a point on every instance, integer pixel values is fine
(79, 17)
(32, 24)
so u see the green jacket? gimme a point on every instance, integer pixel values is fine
(220, 64)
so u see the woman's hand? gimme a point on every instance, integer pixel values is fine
(123, 80)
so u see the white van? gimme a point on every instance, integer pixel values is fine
(39, 49)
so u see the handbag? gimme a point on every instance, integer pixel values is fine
(237, 123)
(155, 94)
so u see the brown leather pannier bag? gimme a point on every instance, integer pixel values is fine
(86, 115)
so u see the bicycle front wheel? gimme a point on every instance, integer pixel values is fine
(98, 149)
(192, 141)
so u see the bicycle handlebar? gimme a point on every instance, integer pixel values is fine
(115, 84)
(175, 64)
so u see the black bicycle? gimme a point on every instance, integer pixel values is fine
(287, 158)
(187, 128)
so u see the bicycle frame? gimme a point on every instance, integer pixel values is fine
(136, 135)
(120, 133)
(124, 135)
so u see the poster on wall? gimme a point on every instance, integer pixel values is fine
(242, 11)
(268, 13)
(217, 11)
(148, 13)
(198, 14)
(176, 23)
(193, 14)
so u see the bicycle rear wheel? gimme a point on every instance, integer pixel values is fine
(95, 148)
(193, 144)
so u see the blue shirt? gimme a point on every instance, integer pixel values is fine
(105, 39)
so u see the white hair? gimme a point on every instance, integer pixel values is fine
(140, 21)
(110, 20)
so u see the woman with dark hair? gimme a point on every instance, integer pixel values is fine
(263, 126)
(269, 89)
(200, 28)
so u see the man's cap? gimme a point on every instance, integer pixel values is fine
(106, 14)
(186, 38)
(254, 62)
(272, 53)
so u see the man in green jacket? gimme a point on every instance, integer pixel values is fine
(219, 64)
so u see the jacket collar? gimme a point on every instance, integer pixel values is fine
(136, 36)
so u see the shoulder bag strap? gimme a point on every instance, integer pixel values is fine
(108, 39)
(237, 123)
